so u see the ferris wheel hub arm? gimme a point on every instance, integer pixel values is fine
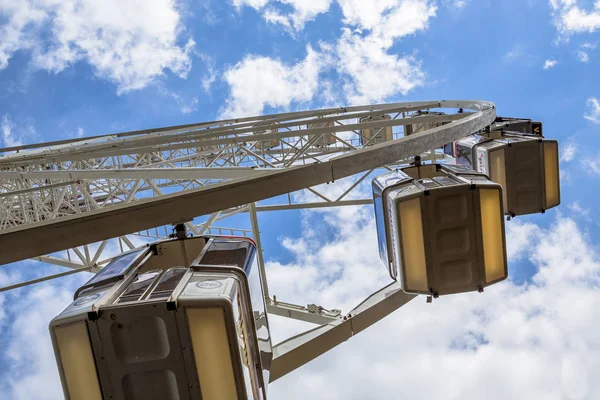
(305, 347)
(102, 219)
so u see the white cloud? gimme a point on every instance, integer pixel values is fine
(565, 177)
(571, 18)
(461, 3)
(185, 106)
(30, 346)
(15, 134)
(365, 15)
(456, 5)
(80, 132)
(185, 103)
(207, 12)
(18, 16)
(568, 152)
(256, 82)
(388, 19)
(275, 17)
(532, 341)
(34, 374)
(536, 341)
(9, 138)
(365, 60)
(303, 11)
(579, 210)
(211, 73)
(363, 56)
(329, 95)
(550, 64)
(591, 165)
(590, 46)
(593, 110)
(256, 4)
(519, 237)
(26, 339)
(128, 43)
(583, 56)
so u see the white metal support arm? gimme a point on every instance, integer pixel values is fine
(299, 350)
(80, 200)
(84, 220)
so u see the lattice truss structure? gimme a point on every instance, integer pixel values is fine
(217, 169)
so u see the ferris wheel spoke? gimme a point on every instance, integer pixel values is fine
(71, 193)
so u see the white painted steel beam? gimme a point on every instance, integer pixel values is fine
(60, 261)
(214, 137)
(305, 347)
(43, 279)
(99, 224)
(141, 173)
(301, 313)
(259, 249)
(324, 204)
(219, 126)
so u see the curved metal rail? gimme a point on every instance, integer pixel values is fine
(38, 237)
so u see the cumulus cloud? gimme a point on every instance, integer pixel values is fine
(363, 55)
(593, 110)
(550, 64)
(360, 57)
(529, 341)
(127, 43)
(302, 12)
(520, 235)
(388, 19)
(365, 15)
(368, 15)
(570, 17)
(535, 341)
(363, 61)
(29, 350)
(256, 82)
(256, 4)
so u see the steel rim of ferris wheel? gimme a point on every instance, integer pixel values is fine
(70, 193)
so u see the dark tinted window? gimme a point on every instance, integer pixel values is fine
(138, 286)
(167, 283)
(117, 267)
(228, 252)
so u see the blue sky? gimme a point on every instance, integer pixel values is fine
(75, 68)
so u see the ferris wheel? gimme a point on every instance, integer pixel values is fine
(70, 202)
(67, 194)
